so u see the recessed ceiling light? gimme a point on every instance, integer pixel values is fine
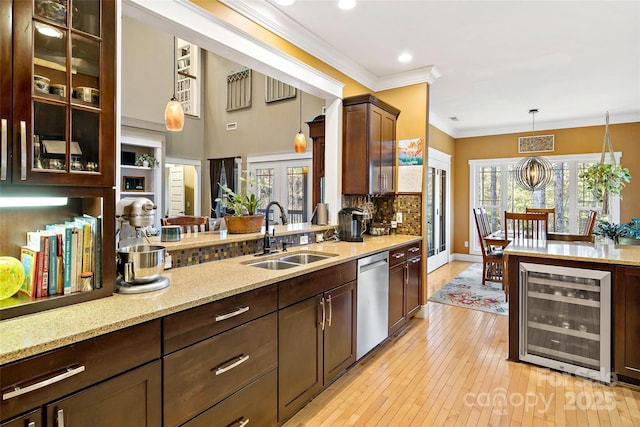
(405, 57)
(453, 118)
(346, 4)
(285, 2)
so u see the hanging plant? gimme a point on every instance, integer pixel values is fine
(606, 179)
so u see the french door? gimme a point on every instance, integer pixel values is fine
(438, 212)
(287, 182)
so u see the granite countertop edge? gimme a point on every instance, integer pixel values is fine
(33, 334)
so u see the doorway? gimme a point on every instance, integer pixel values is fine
(438, 218)
(182, 187)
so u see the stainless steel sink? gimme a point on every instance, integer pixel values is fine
(303, 258)
(273, 264)
(295, 259)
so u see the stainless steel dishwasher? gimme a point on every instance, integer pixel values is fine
(373, 302)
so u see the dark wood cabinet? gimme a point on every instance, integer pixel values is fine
(31, 383)
(368, 146)
(32, 419)
(316, 132)
(626, 323)
(131, 399)
(405, 282)
(316, 336)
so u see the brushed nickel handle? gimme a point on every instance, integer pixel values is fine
(414, 249)
(31, 424)
(330, 308)
(235, 362)
(323, 312)
(60, 418)
(399, 255)
(3, 150)
(242, 421)
(240, 310)
(19, 391)
(23, 150)
(413, 261)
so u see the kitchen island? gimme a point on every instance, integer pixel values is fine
(623, 264)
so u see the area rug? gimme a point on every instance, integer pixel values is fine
(466, 290)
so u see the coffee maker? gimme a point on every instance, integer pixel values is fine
(351, 222)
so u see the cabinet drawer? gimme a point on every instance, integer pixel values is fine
(51, 375)
(197, 377)
(190, 326)
(255, 405)
(303, 287)
(404, 253)
(32, 419)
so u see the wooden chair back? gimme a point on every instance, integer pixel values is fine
(492, 259)
(591, 222)
(188, 223)
(526, 225)
(551, 216)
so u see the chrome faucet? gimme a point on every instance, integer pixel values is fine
(269, 239)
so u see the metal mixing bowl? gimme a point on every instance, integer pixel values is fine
(140, 264)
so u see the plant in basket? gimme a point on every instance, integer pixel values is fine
(244, 203)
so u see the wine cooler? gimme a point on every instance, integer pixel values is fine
(565, 319)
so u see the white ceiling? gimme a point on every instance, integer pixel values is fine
(496, 60)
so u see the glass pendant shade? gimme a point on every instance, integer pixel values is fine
(533, 173)
(300, 142)
(174, 115)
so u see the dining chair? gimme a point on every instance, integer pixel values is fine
(188, 223)
(492, 258)
(551, 212)
(591, 222)
(526, 225)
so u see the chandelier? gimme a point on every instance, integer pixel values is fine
(533, 173)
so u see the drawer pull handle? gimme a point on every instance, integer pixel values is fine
(239, 311)
(60, 418)
(19, 391)
(416, 249)
(241, 422)
(413, 261)
(3, 152)
(31, 424)
(398, 256)
(234, 363)
(23, 150)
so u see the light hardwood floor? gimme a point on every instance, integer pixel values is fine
(451, 370)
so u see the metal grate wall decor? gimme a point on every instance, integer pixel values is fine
(239, 90)
(275, 90)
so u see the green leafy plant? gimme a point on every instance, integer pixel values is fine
(605, 179)
(244, 202)
(153, 162)
(613, 231)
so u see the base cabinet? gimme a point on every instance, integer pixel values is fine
(132, 399)
(32, 419)
(405, 270)
(626, 323)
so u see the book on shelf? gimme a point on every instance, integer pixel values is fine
(29, 259)
(96, 248)
(39, 241)
(65, 234)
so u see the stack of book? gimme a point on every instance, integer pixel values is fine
(55, 258)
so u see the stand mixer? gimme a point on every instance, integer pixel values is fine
(139, 263)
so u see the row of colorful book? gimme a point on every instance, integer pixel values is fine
(63, 258)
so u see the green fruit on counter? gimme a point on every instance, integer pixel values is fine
(11, 276)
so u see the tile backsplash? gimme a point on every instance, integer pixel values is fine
(384, 208)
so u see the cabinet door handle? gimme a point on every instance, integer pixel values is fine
(323, 312)
(23, 150)
(413, 261)
(398, 256)
(414, 249)
(236, 361)
(60, 418)
(4, 150)
(31, 424)
(330, 309)
(19, 391)
(241, 422)
(240, 310)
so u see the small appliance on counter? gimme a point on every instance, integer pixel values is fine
(138, 265)
(351, 224)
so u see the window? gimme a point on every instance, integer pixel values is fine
(493, 187)
(187, 73)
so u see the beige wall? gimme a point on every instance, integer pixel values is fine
(625, 138)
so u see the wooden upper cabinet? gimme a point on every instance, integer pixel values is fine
(368, 146)
(62, 125)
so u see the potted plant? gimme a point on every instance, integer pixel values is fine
(244, 204)
(605, 179)
(612, 232)
(147, 160)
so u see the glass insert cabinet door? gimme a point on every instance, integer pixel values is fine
(63, 92)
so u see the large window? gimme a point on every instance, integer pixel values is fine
(494, 188)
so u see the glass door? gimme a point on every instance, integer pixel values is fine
(438, 217)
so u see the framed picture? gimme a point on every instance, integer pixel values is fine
(410, 162)
(535, 144)
(132, 183)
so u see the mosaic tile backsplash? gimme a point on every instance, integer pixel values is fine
(384, 208)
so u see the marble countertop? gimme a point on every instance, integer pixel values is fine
(576, 251)
(191, 286)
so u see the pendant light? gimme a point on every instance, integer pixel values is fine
(300, 141)
(173, 113)
(533, 173)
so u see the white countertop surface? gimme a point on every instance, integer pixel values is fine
(191, 286)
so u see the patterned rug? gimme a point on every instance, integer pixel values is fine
(466, 290)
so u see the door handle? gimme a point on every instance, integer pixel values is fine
(60, 418)
(323, 312)
(3, 150)
(23, 150)
(330, 309)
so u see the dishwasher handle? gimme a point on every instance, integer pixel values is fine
(367, 267)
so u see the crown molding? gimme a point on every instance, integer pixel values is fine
(421, 75)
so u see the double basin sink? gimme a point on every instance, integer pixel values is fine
(295, 259)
